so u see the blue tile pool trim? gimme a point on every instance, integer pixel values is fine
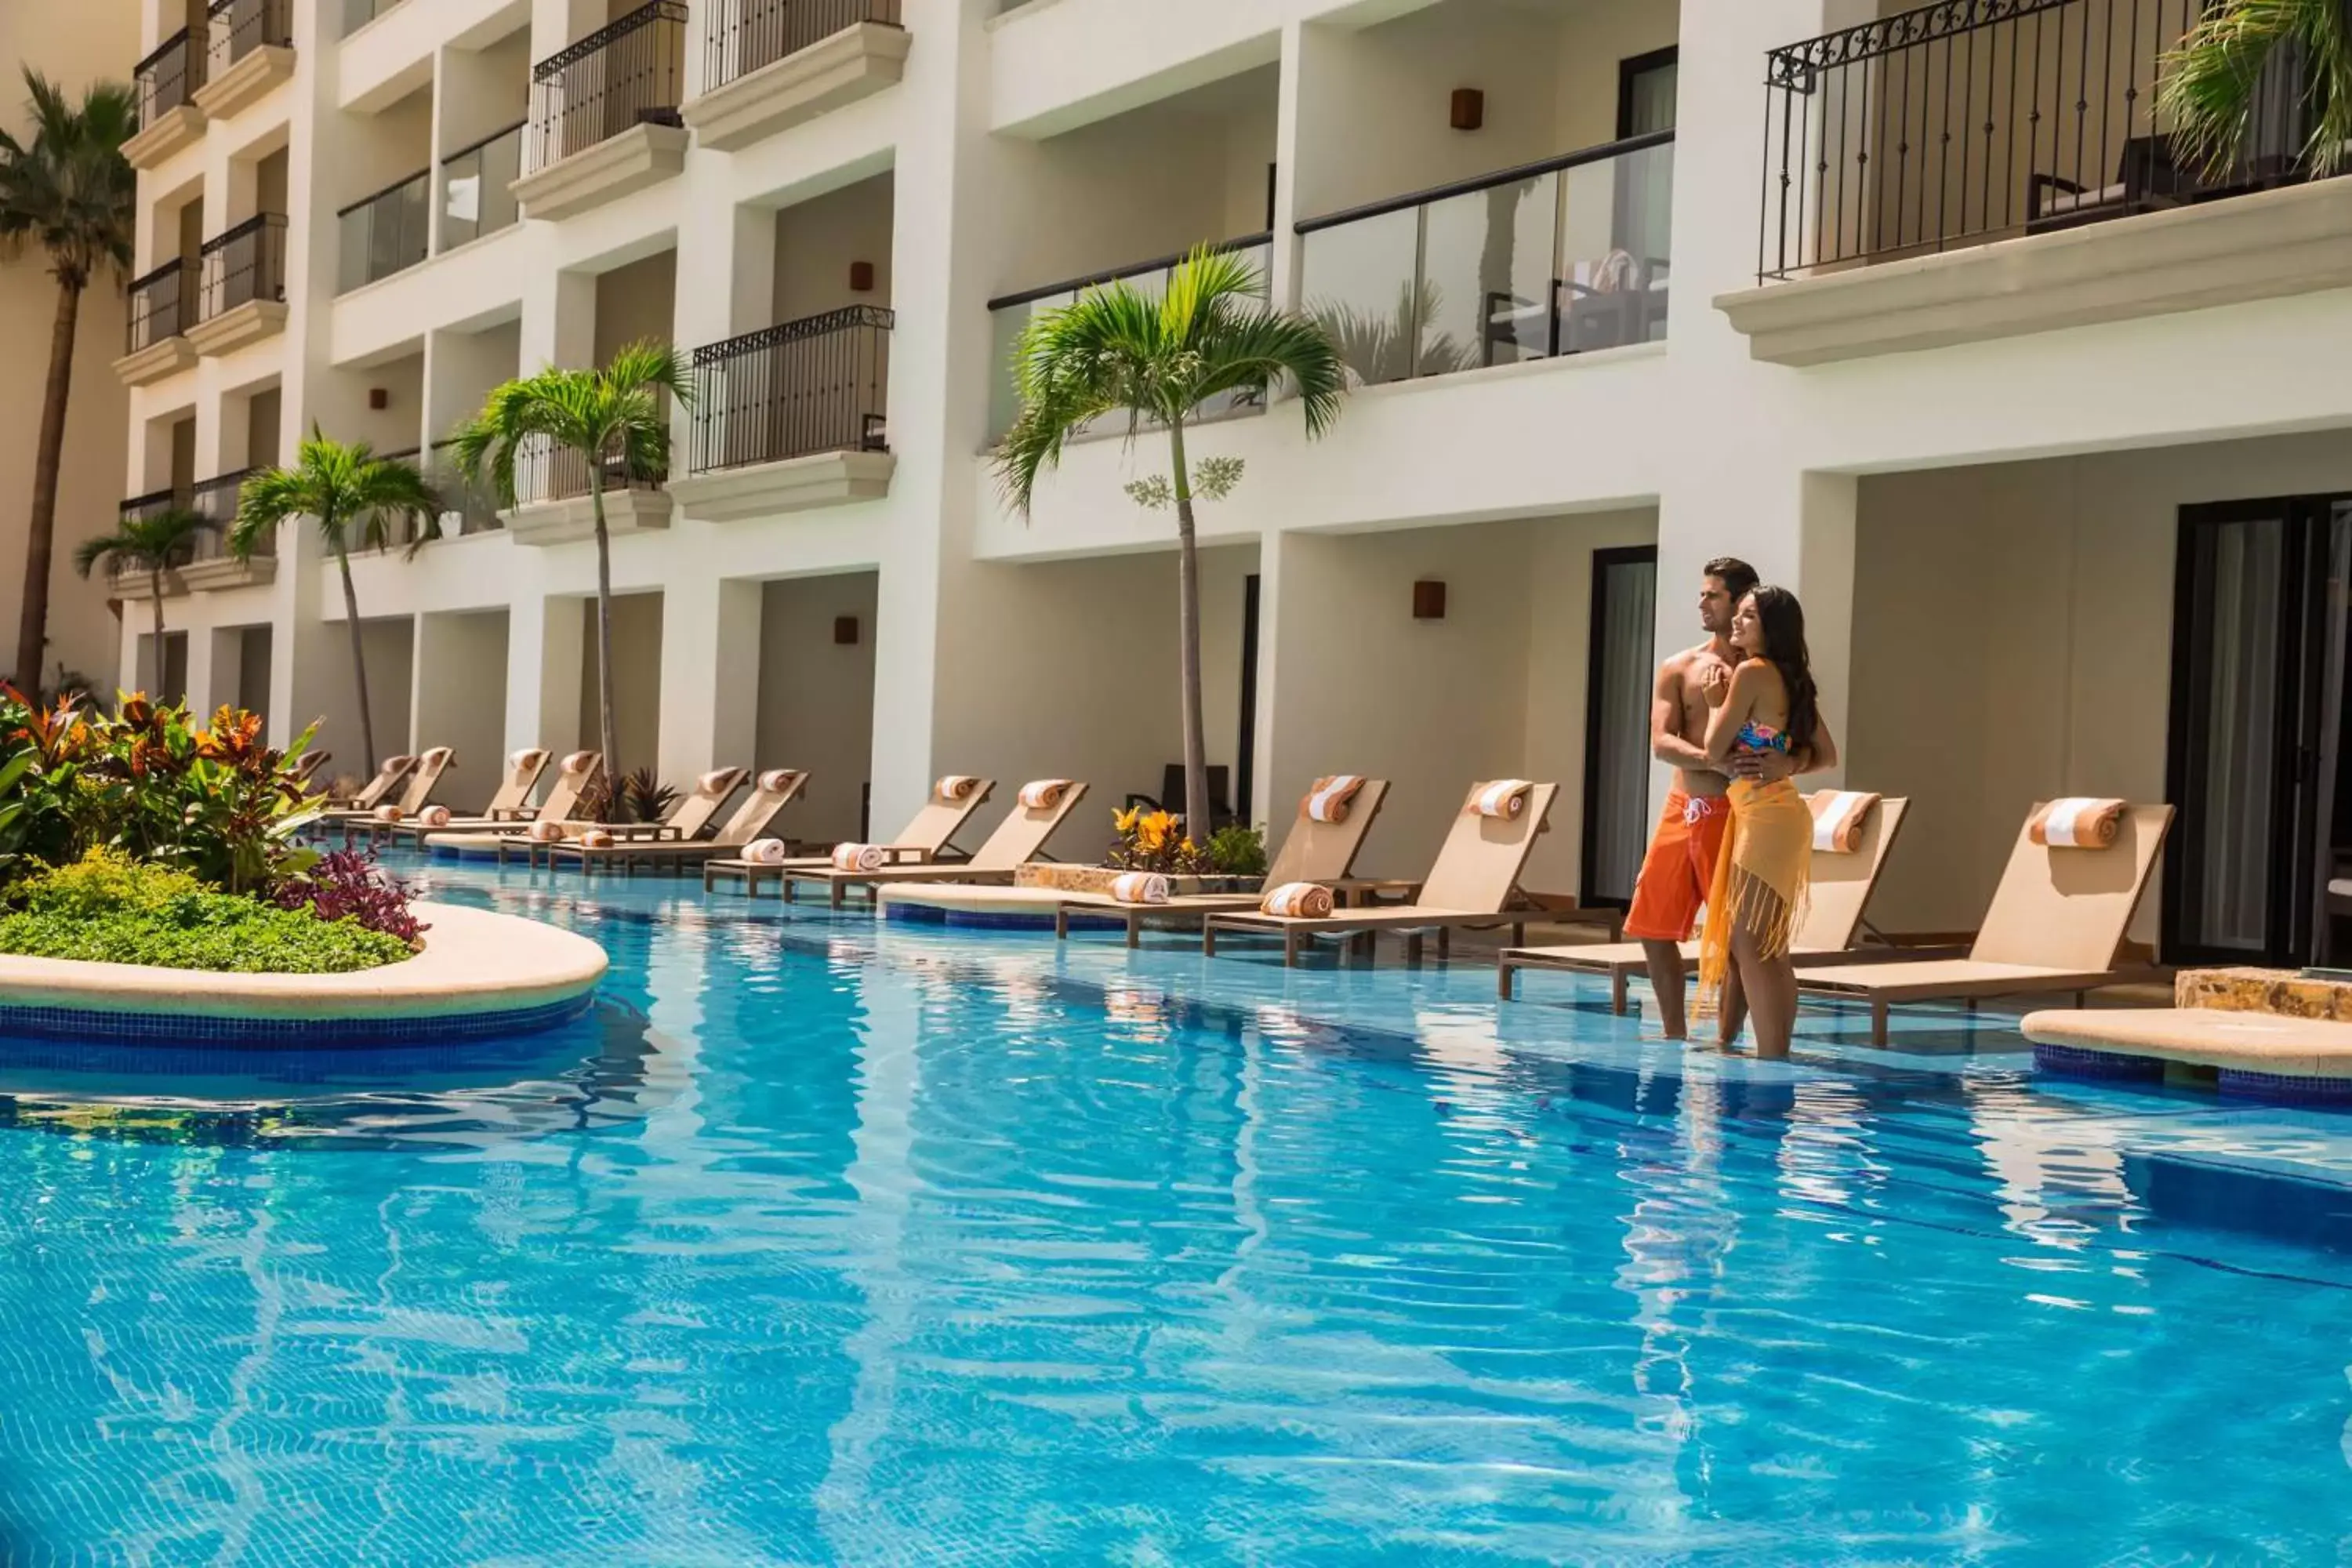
(2286, 1089)
(363, 1029)
(2112, 1065)
(992, 920)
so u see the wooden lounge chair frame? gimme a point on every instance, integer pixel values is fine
(509, 805)
(1020, 837)
(1311, 851)
(391, 772)
(2057, 923)
(1469, 886)
(1841, 892)
(924, 841)
(562, 799)
(651, 847)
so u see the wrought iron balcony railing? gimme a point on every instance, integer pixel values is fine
(168, 77)
(818, 384)
(745, 35)
(235, 28)
(159, 306)
(245, 263)
(627, 73)
(217, 499)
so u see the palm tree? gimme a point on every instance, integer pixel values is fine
(356, 497)
(1210, 334)
(2215, 82)
(152, 543)
(616, 418)
(67, 189)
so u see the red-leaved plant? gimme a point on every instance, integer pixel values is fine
(348, 884)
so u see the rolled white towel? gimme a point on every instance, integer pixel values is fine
(1839, 819)
(764, 852)
(955, 786)
(529, 758)
(596, 838)
(1040, 795)
(434, 816)
(545, 832)
(2078, 821)
(1298, 900)
(858, 857)
(1140, 887)
(1504, 798)
(1328, 800)
(716, 780)
(577, 763)
(389, 814)
(775, 781)
(436, 756)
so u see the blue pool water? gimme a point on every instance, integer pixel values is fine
(824, 1241)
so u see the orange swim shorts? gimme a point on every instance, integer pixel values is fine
(1679, 868)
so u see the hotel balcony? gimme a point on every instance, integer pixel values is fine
(211, 565)
(138, 582)
(249, 49)
(552, 505)
(164, 86)
(790, 417)
(1959, 172)
(605, 114)
(772, 64)
(241, 291)
(161, 308)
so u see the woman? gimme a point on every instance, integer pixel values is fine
(1758, 898)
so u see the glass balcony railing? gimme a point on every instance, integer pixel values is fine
(217, 499)
(1558, 257)
(358, 13)
(385, 234)
(476, 198)
(1011, 315)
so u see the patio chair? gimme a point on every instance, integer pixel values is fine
(1018, 839)
(1312, 852)
(574, 777)
(770, 792)
(371, 795)
(2057, 923)
(2147, 179)
(923, 841)
(508, 805)
(1469, 885)
(1841, 892)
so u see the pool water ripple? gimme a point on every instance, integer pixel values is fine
(821, 1241)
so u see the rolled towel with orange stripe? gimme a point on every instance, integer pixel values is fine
(955, 786)
(764, 852)
(1329, 797)
(596, 838)
(434, 816)
(576, 762)
(858, 857)
(1140, 887)
(389, 814)
(1298, 901)
(775, 781)
(718, 779)
(1042, 795)
(2077, 822)
(1839, 818)
(1504, 798)
(545, 832)
(528, 760)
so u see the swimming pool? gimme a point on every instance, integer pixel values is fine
(829, 1241)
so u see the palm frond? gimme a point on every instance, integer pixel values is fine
(620, 411)
(148, 543)
(2213, 83)
(66, 187)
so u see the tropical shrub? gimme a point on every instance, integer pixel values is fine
(349, 884)
(109, 909)
(1154, 841)
(1236, 851)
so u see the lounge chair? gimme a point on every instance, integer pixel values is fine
(1468, 886)
(923, 841)
(1018, 839)
(574, 777)
(508, 806)
(1311, 851)
(371, 795)
(1842, 887)
(2057, 923)
(670, 842)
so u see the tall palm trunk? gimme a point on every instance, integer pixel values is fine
(41, 526)
(1200, 816)
(155, 588)
(358, 653)
(608, 732)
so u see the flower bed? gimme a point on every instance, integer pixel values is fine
(107, 908)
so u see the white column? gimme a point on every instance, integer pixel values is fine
(1285, 270)
(216, 659)
(559, 324)
(710, 665)
(544, 668)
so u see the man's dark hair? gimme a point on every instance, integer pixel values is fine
(1738, 577)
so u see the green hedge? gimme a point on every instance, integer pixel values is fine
(108, 910)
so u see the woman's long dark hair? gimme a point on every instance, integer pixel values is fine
(1783, 620)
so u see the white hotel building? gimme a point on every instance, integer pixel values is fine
(1919, 317)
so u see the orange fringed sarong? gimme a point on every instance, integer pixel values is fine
(1759, 880)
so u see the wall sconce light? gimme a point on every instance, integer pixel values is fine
(877, 436)
(1428, 601)
(861, 277)
(379, 398)
(1469, 108)
(845, 630)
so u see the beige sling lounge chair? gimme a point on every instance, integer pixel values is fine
(1468, 886)
(922, 841)
(574, 777)
(2057, 923)
(1018, 839)
(1312, 852)
(1842, 886)
(372, 793)
(509, 805)
(774, 789)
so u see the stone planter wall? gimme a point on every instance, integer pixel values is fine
(1098, 878)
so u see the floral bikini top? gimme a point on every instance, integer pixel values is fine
(1755, 737)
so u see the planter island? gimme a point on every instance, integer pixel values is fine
(479, 975)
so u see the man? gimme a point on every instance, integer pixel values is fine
(1679, 868)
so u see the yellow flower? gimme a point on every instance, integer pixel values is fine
(1125, 821)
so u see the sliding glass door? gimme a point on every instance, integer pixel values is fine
(1617, 722)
